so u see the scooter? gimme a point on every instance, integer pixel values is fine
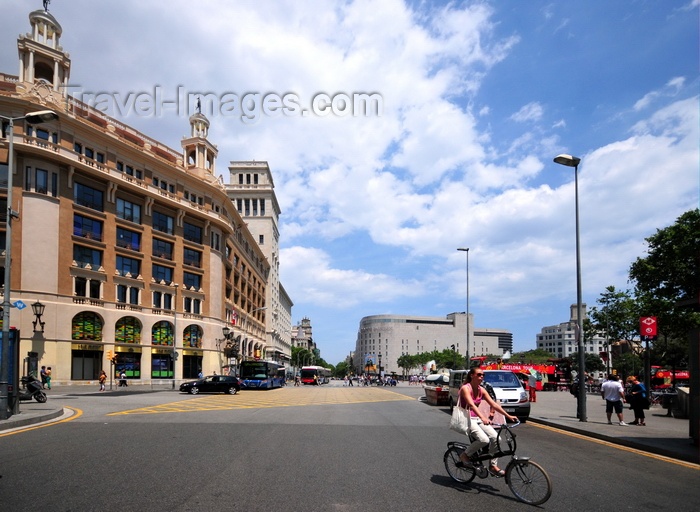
(32, 389)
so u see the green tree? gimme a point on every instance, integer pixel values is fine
(593, 362)
(617, 318)
(536, 356)
(668, 279)
(342, 369)
(669, 276)
(627, 364)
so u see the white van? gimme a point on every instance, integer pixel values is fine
(509, 390)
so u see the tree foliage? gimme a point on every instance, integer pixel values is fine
(666, 280)
(536, 356)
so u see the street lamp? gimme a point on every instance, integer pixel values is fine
(174, 331)
(38, 310)
(572, 161)
(466, 250)
(41, 116)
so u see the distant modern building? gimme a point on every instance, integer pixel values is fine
(384, 338)
(560, 339)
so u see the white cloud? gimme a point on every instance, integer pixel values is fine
(373, 209)
(531, 112)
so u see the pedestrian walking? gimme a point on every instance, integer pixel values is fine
(614, 396)
(102, 379)
(532, 386)
(638, 400)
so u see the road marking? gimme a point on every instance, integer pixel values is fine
(261, 399)
(677, 462)
(75, 414)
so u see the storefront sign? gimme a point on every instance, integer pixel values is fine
(86, 346)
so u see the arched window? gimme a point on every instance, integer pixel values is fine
(192, 336)
(162, 333)
(87, 326)
(128, 330)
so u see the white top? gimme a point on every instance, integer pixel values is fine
(612, 390)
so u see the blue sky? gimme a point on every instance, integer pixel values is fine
(478, 98)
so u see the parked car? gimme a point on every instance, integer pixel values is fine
(509, 390)
(212, 384)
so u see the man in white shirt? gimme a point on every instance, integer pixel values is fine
(614, 396)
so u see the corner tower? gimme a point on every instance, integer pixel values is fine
(200, 154)
(44, 68)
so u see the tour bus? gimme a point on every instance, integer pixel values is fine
(315, 375)
(255, 374)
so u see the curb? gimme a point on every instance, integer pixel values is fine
(17, 421)
(672, 454)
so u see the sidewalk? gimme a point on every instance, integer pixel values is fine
(663, 435)
(32, 413)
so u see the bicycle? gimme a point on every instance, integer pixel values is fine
(527, 480)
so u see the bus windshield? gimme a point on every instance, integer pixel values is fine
(254, 370)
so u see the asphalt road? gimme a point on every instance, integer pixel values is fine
(302, 449)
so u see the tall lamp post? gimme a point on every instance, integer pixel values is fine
(41, 116)
(174, 331)
(572, 161)
(466, 250)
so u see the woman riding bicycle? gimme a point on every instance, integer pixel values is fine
(471, 394)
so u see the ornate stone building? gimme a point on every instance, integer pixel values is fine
(134, 248)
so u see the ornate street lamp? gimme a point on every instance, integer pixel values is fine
(38, 310)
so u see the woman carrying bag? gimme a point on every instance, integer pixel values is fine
(638, 400)
(471, 395)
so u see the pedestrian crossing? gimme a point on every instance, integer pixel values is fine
(285, 397)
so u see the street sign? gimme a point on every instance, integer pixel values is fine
(19, 304)
(647, 326)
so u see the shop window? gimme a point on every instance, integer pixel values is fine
(86, 326)
(192, 336)
(127, 330)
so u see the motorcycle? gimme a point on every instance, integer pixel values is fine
(32, 389)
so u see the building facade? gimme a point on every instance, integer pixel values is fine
(382, 339)
(560, 339)
(252, 190)
(134, 248)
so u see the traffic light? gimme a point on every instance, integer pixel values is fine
(109, 355)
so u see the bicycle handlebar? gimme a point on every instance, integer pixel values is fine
(513, 425)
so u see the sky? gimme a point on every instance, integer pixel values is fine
(473, 100)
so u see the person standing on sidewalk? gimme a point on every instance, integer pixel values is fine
(102, 379)
(638, 400)
(614, 396)
(48, 378)
(42, 374)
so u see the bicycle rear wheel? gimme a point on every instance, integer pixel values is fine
(528, 482)
(462, 475)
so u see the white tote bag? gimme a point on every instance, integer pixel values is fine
(460, 419)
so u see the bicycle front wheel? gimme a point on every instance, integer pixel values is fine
(529, 482)
(462, 475)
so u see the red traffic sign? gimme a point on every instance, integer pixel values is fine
(647, 326)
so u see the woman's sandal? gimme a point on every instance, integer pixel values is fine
(496, 472)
